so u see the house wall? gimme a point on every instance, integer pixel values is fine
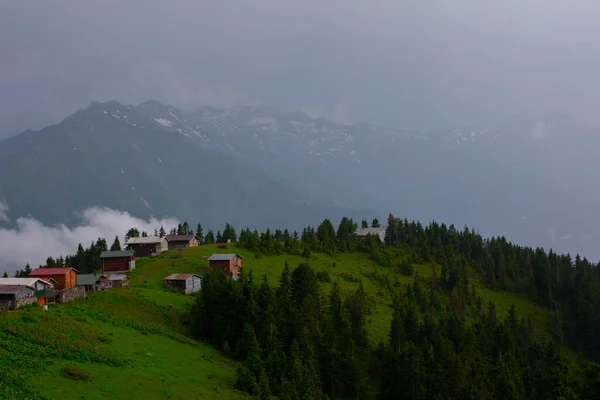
(193, 284)
(178, 245)
(65, 281)
(22, 298)
(117, 264)
(147, 250)
(71, 294)
(176, 284)
(224, 265)
(194, 242)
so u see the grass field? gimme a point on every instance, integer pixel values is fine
(130, 343)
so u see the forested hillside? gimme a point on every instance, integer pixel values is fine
(431, 313)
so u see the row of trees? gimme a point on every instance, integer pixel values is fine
(296, 342)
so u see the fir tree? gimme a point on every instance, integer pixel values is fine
(210, 237)
(5, 274)
(116, 246)
(162, 232)
(200, 233)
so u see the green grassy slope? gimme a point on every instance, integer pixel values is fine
(131, 340)
(131, 346)
(344, 268)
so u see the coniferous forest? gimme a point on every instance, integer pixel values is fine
(296, 341)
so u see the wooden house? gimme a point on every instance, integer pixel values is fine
(14, 296)
(180, 242)
(230, 264)
(151, 246)
(118, 280)
(185, 283)
(117, 261)
(65, 278)
(106, 283)
(90, 282)
(362, 233)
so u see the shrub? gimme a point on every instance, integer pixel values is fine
(77, 374)
(406, 269)
(323, 276)
(222, 246)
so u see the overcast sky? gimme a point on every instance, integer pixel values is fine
(410, 64)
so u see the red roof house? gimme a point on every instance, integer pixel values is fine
(65, 277)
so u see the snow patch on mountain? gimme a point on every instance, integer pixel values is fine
(164, 122)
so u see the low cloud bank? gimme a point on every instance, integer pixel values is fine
(31, 241)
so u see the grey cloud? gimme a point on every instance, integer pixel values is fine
(407, 64)
(31, 241)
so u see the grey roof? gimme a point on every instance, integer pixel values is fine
(116, 254)
(22, 281)
(144, 240)
(87, 279)
(372, 231)
(13, 289)
(180, 238)
(180, 277)
(223, 257)
(116, 277)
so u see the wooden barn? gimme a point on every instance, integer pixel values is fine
(185, 283)
(180, 242)
(65, 278)
(118, 280)
(14, 296)
(147, 246)
(90, 282)
(230, 264)
(117, 261)
(361, 233)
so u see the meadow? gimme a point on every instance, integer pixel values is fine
(127, 341)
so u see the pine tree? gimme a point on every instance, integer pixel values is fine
(80, 258)
(200, 233)
(375, 223)
(5, 274)
(116, 246)
(26, 271)
(219, 237)
(155, 232)
(364, 224)
(144, 234)
(210, 237)
(162, 232)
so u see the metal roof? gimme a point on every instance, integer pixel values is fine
(87, 279)
(144, 240)
(50, 271)
(13, 289)
(116, 254)
(223, 257)
(22, 281)
(116, 277)
(179, 238)
(180, 277)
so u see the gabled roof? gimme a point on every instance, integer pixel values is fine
(180, 238)
(180, 277)
(223, 257)
(144, 240)
(87, 279)
(116, 254)
(372, 231)
(22, 281)
(50, 271)
(13, 289)
(116, 277)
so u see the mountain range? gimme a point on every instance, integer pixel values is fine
(531, 178)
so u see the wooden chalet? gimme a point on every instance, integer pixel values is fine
(90, 282)
(230, 264)
(118, 280)
(180, 242)
(185, 283)
(65, 278)
(151, 246)
(362, 233)
(117, 261)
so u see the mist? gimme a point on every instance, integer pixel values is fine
(32, 242)
(414, 65)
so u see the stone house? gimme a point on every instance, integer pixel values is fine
(185, 283)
